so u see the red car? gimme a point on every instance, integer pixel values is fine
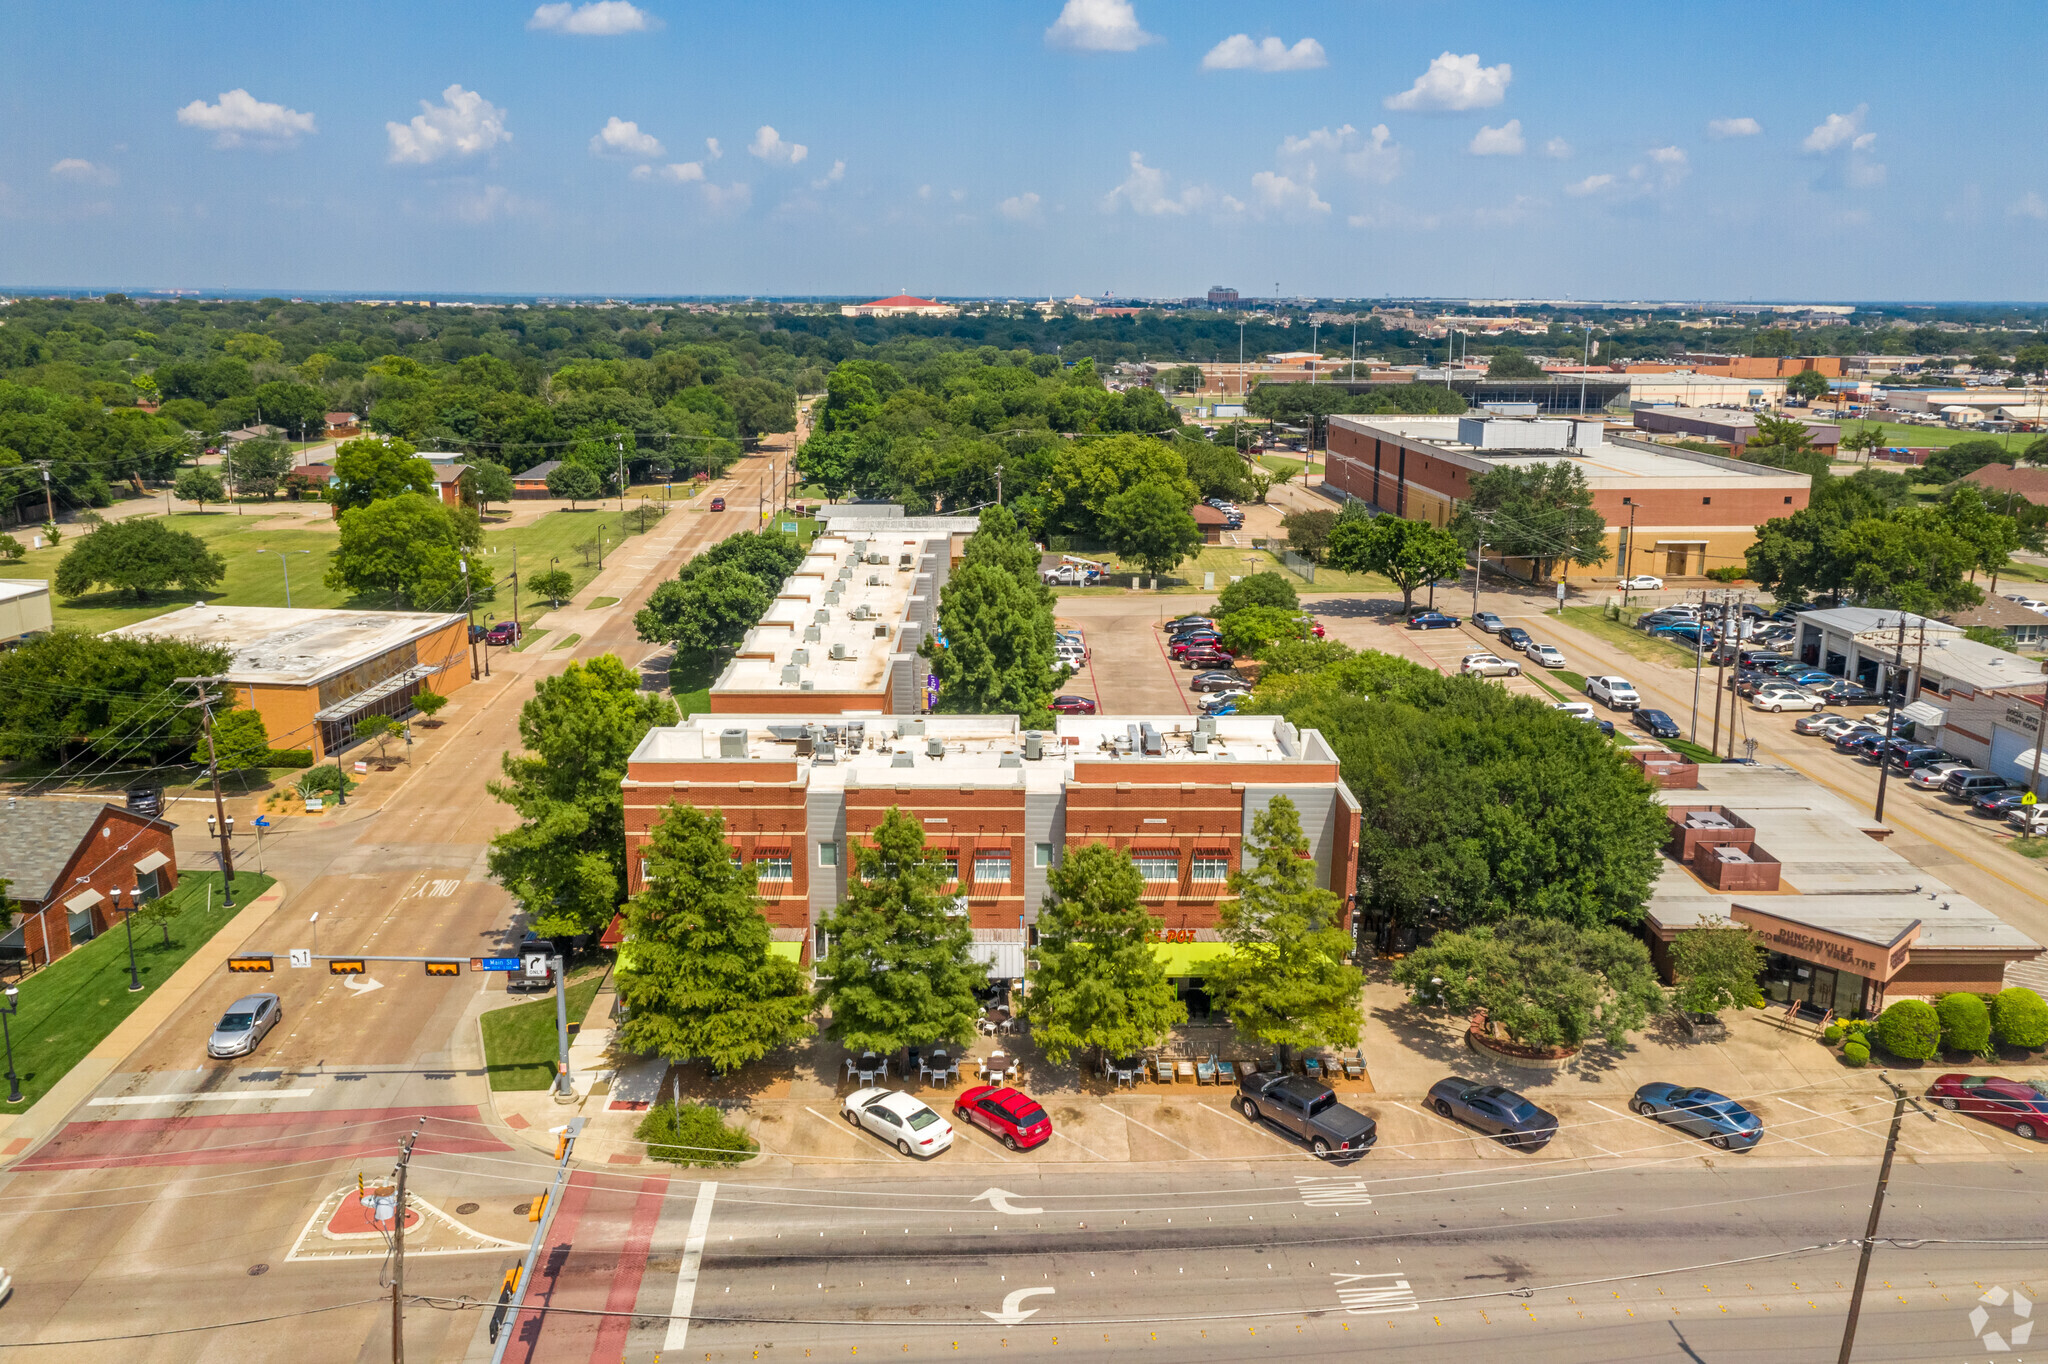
(2021, 1105)
(1183, 643)
(1073, 705)
(718, 504)
(1008, 1114)
(504, 632)
(1207, 656)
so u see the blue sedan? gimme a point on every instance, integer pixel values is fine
(1703, 1113)
(1433, 620)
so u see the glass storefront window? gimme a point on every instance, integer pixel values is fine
(1817, 989)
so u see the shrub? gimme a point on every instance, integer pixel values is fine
(1910, 1030)
(1856, 1052)
(2020, 1018)
(324, 778)
(288, 757)
(1258, 589)
(693, 1134)
(1727, 573)
(1833, 1034)
(1965, 1023)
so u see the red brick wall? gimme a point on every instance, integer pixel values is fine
(959, 823)
(106, 860)
(1735, 507)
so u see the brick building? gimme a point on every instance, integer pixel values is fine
(72, 866)
(1003, 805)
(1736, 430)
(1686, 512)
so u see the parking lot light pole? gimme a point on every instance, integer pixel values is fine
(128, 921)
(7, 1035)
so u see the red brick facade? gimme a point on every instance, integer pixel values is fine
(103, 861)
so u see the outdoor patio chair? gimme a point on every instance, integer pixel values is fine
(1226, 1073)
(1354, 1064)
(1311, 1067)
(1205, 1071)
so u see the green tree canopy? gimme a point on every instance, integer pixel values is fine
(1264, 588)
(997, 658)
(411, 548)
(1285, 981)
(1809, 384)
(1255, 628)
(198, 485)
(898, 971)
(1964, 458)
(139, 555)
(695, 973)
(1085, 475)
(375, 468)
(1547, 984)
(70, 692)
(491, 482)
(1540, 512)
(556, 585)
(1150, 525)
(1715, 965)
(566, 860)
(259, 465)
(1094, 982)
(240, 742)
(1411, 553)
(1308, 532)
(710, 610)
(574, 481)
(1510, 363)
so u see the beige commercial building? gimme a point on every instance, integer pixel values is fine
(24, 610)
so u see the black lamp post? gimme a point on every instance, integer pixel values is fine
(128, 919)
(6, 1035)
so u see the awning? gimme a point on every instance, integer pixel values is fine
(1924, 713)
(152, 862)
(1005, 959)
(84, 900)
(390, 686)
(789, 951)
(1189, 958)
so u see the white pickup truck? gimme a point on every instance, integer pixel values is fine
(1617, 692)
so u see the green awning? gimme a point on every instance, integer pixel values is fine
(793, 951)
(1189, 958)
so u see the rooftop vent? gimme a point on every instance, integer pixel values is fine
(822, 616)
(902, 760)
(1009, 760)
(882, 630)
(806, 685)
(909, 724)
(732, 743)
(874, 580)
(1149, 735)
(800, 656)
(825, 753)
(903, 562)
(813, 633)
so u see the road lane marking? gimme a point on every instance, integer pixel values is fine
(686, 1277)
(1853, 1127)
(1155, 1132)
(859, 1134)
(130, 1099)
(1089, 1149)
(1441, 1122)
(1257, 1126)
(1363, 1299)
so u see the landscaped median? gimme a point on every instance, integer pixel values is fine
(69, 1007)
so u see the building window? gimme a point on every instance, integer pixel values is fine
(828, 854)
(950, 864)
(1157, 866)
(1706, 502)
(1210, 867)
(735, 861)
(1788, 501)
(645, 875)
(992, 867)
(1041, 854)
(772, 867)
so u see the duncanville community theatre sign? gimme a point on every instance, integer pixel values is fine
(1874, 960)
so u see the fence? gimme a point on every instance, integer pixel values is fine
(1298, 564)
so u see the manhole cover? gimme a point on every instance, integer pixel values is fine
(465, 1209)
(522, 1209)
(254, 1270)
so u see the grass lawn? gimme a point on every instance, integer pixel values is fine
(1699, 753)
(70, 1006)
(566, 641)
(521, 1046)
(596, 602)
(2033, 573)
(549, 543)
(689, 680)
(1900, 433)
(527, 640)
(1543, 683)
(1593, 620)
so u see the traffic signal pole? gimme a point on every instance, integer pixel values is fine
(512, 1301)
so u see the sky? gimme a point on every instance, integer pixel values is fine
(1027, 148)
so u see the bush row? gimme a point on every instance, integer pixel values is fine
(1914, 1030)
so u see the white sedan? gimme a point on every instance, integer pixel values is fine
(1546, 654)
(1643, 582)
(907, 1123)
(1775, 699)
(1489, 665)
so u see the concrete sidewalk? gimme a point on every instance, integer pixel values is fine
(20, 1132)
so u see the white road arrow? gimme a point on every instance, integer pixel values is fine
(999, 1199)
(1011, 1313)
(360, 985)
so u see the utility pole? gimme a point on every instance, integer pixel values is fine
(999, 485)
(566, 1084)
(49, 505)
(1478, 560)
(227, 852)
(1720, 678)
(1699, 643)
(1884, 1177)
(398, 1253)
(1891, 719)
(515, 583)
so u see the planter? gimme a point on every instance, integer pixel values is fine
(1515, 1054)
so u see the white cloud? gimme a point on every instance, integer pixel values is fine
(675, 172)
(2030, 205)
(1592, 184)
(84, 172)
(622, 137)
(1668, 156)
(1281, 196)
(1505, 140)
(1454, 82)
(733, 197)
(1239, 53)
(1864, 173)
(769, 146)
(239, 119)
(1837, 129)
(1145, 191)
(1098, 26)
(1733, 127)
(465, 124)
(485, 203)
(711, 143)
(1376, 158)
(1557, 149)
(1020, 208)
(1672, 165)
(831, 177)
(957, 195)
(598, 19)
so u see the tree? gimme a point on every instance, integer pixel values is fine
(1286, 656)
(2030, 359)
(2036, 451)
(1094, 982)
(1910, 1030)
(898, 971)
(377, 468)
(1715, 965)
(139, 555)
(1510, 363)
(555, 584)
(1539, 512)
(1285, 981)
(12, 551)
(709, 610)
(1964, 458)
(2020, 1018)
(412, 548)
(1309, 531)
(1253, 629)
(1183, 378)
(759, 406)
(1865, 440)
(696, 974)
(1965, 1023)
(1264, 588)
(997, 658)
(240, 742)
(379, 730)
(1001, 543)
(259, 465)
(567, 858)
(1150, 525)
(491, 482)
(1410, 553)
(428, 704)
(1545, 983)
(71, 693)
(575, 482)
(1809, 384)
(1991, 535)
(198, 485)
(1085, 475)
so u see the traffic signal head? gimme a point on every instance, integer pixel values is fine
(251, 963)
(444, 968)
(357, 967)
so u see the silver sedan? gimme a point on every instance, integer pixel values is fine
(247, 1022)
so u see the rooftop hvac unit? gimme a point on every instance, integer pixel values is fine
(825, 753)
(1009, 760)
(1133, 739)
(805, 685)
(832, 597)
(822, 616)
(878, 558)
(732, 743)
(863, 612)
(909, 724)
(882, 631)
(874, 580)
(839, 651)
(1199, 742)
(935, 747)
(1034, 745)
(902, 760)
(790, 674)
(813, 633)
(903, 562)
(846, 570)
(1205, 724)
(1148, 733)
(802, 656)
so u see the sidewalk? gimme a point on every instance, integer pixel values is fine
(625, 569)
(21, 1131)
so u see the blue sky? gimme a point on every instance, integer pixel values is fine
(1731, 151)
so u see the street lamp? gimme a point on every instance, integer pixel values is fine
(13, 1008)
(128, 920)
(284, 562)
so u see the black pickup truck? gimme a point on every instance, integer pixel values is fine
(1309, 1110)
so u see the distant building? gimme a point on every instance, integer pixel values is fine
(71, 865)
(342, 425)
(1219, 294)
(2030, 484)
(1931, 659)
(2026, 626)
(24, 610)
(902, 305)
(534, 482)
(1736, 430)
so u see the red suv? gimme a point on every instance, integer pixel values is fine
(2019, 1104)
(1073, 705)
(1195, 640)
(1009, 1114)
(1207, 656)
(504, 632)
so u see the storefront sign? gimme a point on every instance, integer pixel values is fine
(2024, 717)
(1878, 961)
(1174, 935)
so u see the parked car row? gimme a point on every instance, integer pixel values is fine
(1925, 767)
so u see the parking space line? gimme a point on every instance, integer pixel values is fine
(1156, 1132)
(1258, 1126)
(1986, 1132)
(858, 1134)
(1853, 1127)
(1661, 1130)
(1089, 1149)
(963, 1126)
(1441, 1122)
